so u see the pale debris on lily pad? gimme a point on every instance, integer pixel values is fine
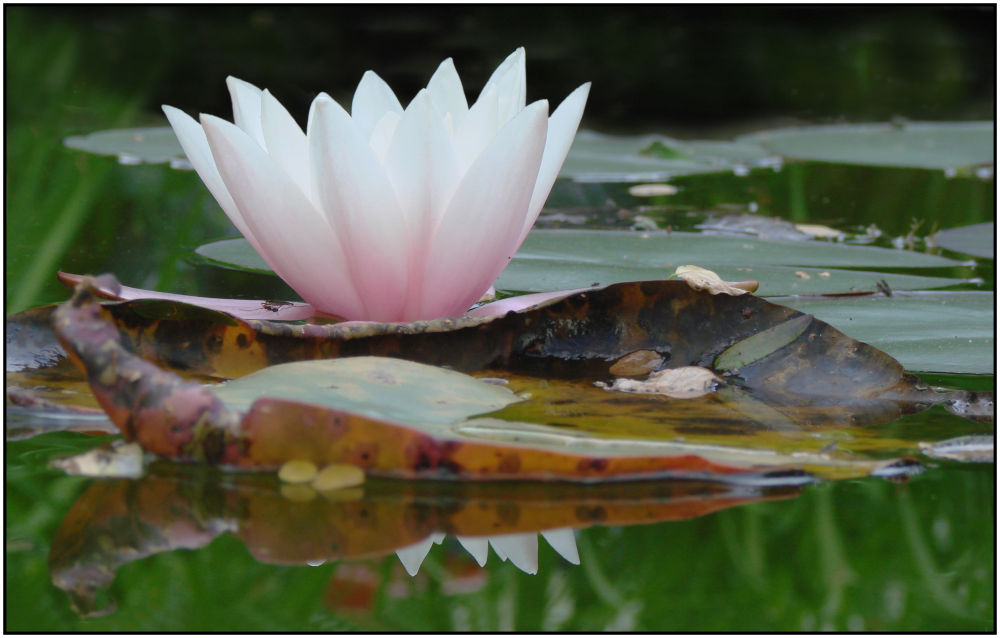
(688, 382)
(703, 279)
(820, 232)
(652, 190)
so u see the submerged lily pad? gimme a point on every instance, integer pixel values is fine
(935, 145)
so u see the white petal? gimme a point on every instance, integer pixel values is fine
(360, 205)
(296, 241)
(477, 235)
(372, 99)
(510, 75)
(285, 141)
(478, 129)
(246, 108)
(562, 129)
(446, 93)
(423, 168)
(521, 549)
(479, 548)
(413, 556)
(382, 136)
(511, 89)
(195, 145)
(564, 542)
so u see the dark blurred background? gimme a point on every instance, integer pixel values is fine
(687, 71)
(652, 66)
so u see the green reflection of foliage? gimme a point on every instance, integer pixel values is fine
(75, 212)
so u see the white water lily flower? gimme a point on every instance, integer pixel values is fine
(386, 214)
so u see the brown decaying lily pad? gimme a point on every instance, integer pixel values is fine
(582, 336)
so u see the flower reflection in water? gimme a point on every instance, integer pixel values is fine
(520, 549)
(120, 521)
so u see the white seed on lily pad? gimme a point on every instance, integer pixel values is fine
(297, 471)
(337, 476)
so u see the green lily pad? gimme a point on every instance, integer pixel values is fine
(378, 387)
(595, 157)
(544, 275)
(610, 158)
(563, 259)
(933, 145)
(659, 248)
(927, 332)
(977, 239)
(152, 145)
(567, 259)
(236, 254)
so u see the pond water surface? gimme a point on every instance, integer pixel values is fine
(188, 550)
